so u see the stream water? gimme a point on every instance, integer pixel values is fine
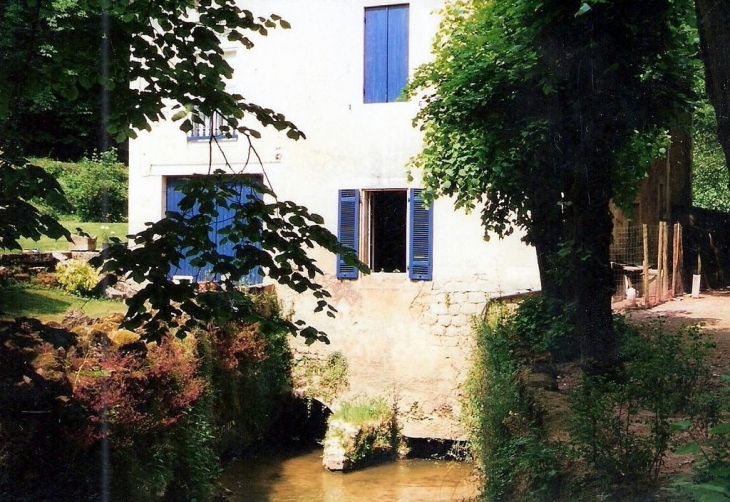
(299, 477)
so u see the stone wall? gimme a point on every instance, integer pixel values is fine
(409, 342)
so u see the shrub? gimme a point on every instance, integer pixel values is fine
(505, 423)
(622, 427)
(543, 329)
(711, 479)
(166, 406)
(77, 277)
(96, 188)
(250, 367)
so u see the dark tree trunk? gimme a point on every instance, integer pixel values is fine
(545, 234)
(713, 23)
(594, 288)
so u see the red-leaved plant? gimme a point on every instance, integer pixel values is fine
(135, 391)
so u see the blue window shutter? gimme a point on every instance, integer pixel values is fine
(421, 237)
(348, 223)
(224, 216)
(172, 203)
(397, 50)
(376, 55)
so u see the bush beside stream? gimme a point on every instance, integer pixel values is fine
(543, 430)
(169, 409)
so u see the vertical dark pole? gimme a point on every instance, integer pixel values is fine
(103, 135)
(103, 147)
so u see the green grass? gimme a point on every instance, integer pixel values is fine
(362, 411)
(46, 244)
(47, 304)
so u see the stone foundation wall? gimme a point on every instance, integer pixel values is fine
(407, 341)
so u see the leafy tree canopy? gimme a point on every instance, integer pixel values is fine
(544, 111)
(521, 91)
(709, 169)
(160, 54)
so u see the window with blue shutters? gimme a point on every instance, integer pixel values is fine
(397, 229)
(185, 268)
(386, 53)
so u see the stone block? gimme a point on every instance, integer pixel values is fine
(470, 309)
(459, 297)
(477, 297)
(439, 309)
(429, 319)
(460, 321)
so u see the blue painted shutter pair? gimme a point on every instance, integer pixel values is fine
(386, 53)
(174, 197)
(420, 235)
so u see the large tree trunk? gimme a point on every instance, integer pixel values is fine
(593, 289)
(713, 23)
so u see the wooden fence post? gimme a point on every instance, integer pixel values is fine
(665, 261)
(645, 232)
(660, 264)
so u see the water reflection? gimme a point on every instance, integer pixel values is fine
(299, 477)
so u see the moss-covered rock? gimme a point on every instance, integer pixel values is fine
(360, 433)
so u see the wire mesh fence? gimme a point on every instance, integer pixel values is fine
(647, 259)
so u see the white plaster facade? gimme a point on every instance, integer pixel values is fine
(403, 338)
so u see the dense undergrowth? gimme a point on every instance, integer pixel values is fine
(604, 438)
(96, 188)
(168, 409)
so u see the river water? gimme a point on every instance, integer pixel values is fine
(299, 477)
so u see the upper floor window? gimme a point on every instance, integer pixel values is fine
(205, 127)
(386, 53)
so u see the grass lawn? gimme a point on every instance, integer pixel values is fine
(48, 304)
(94, 229)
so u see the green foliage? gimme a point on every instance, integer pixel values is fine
(361, 411)
(540, 113)
(96, 187)
(197, 466)
(77, 276)
(623, 427)
(45, 47)
(323, 380)
(712, 457)
(172, 52)
(51, 54)
(543, 330)
(250, 371)
(709, 174)
(21, 184)
(504, 98)
(170, 407)
(52, 57)
(505, 424)
(274, 236)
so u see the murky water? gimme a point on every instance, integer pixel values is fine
(299, 477)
